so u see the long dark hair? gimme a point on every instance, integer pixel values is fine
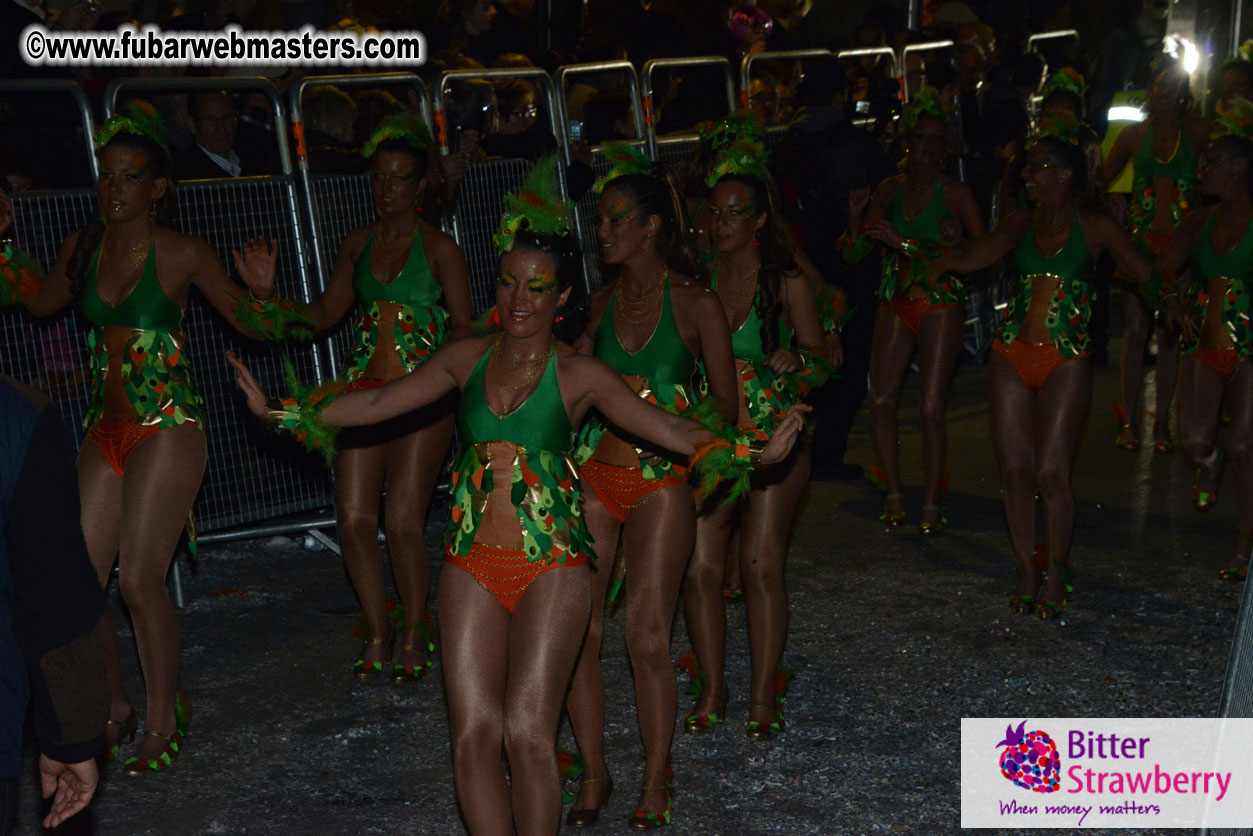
(91, 236)
(1069, 156)
(562, 249)
(658, 193)
(776, 254)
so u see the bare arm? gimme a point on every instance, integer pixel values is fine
(715, 349)
(54, 291)
(338, 298)
(961, 202)
(1120, 154)
(992, 247)
(197, 260)
(449, 265)
(1115, 239)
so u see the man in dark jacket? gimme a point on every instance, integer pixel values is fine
(818, 162)
(218, 150)
(50, 607)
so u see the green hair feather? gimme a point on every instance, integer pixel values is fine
(403, 126)
(1058, 124)
(1068, 80)
(740, 125)
(743, 158)
(136, 117)
(626, 159)
(537, 205)
(925, 102)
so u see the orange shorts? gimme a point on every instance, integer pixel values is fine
(1225, 361)
(622, 488)
(118, 439)
(1034, 363)
(506, 573)
(911, 311)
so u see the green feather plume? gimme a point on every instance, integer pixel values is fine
(925, 102)
(403, 126)
(626, 159)
(136, 117)
(742, 158)
(537, 204)
(1068, 79)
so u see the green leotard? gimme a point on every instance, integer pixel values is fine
(545, 478)
(948, 289)
(1180, 168)
(667, 367)
(1071, 305)
(155, 368)
(767, 395)
(1236, 266)
(419, 327)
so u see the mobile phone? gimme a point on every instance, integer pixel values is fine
(576, 132)
(863, 106)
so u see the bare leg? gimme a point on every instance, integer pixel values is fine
(586, 702)
(162, 479)
(1240, 443)
(771, 510)
(1138, 319)
(1060, 410)
(99, 486)
(358, 485)
(891, 348)
(413, 463)
(1012, 408)
(704, 607)
(939, 346)
(1200, 405)
(544, 642)
(1166, 374)
(474, 645)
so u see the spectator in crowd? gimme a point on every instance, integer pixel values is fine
(1234, 82)
(330, 115)
(216, 154)
(50, 607)
(373, 106)
(464, 26)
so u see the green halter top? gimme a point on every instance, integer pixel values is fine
(665, 358)
(145, 307)
(1236, 266)
(1180, 169)
(1071, 305)
(419, 326)
(544, 486)
(155, 369)
(746, 340)
(948, 289)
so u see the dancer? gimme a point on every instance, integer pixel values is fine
(140, 468)
(395, 273)
(650, 324)
(1163, 153)
(916, 311)
(767, 301)
(517, 595)
(1040, 371)
(1214, 369)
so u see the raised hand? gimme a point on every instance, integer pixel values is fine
(253, 393)
(885, 233)
(785, 435)
(256, 267)
(858, 199)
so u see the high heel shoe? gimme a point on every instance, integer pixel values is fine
(762, 732)
(1203, 500)
(362, 670)
(929, 529)
(121, 731)
(1236, 570)
(652, 821)
(425, 637)
(173, 742)
(1126, 438)
(1049, 610)
(892, 519)
(695, 723)
(590, 816)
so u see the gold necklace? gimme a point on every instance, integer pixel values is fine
(388, 250)
(522, 369)
(132, 258)
(635, 309)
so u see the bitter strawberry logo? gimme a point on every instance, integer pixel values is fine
(1030, 759)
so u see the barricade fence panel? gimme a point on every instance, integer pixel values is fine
(252, 474)
(480, 202)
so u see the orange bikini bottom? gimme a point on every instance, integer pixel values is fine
(1034, 363)
(911, 311)
(622, 488)
(1225, 361)
(118, 439)
(506, 573)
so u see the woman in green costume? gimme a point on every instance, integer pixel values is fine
(916, 311)
(516, 599)
(1214, 305)
(1163, 151)
(141, 465)
(396, 273)
(1040, 371)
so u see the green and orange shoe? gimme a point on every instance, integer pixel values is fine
(173, 742)
(424, 635)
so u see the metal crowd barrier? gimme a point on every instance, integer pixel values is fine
(672, 149)
(882, 52)
(335, 204)
(585, 207)
(1033, 42)
(912, 49)
(252, 476)
(480, 197)
(774, 133)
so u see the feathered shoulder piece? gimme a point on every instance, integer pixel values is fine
(536, 205)
(136, 117)
(626, 159)
(403, 126)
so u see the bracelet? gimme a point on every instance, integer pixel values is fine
(909, 247)
(755, 449)
(276, 409)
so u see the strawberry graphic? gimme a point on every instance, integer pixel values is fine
(1030, 759)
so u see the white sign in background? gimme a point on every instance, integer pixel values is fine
(1106, 772)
